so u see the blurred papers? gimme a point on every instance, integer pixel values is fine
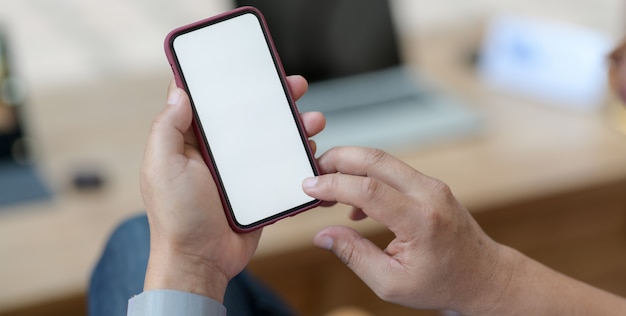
(547, 60)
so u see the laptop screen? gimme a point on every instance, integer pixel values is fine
(325, 39)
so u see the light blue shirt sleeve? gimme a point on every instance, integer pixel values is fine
(168, 302)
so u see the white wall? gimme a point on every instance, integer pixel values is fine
(607, 16)
(61, 42)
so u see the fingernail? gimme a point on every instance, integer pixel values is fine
(173, 97)
(309, 183)
(323, 242)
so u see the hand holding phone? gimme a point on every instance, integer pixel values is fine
(245, 120)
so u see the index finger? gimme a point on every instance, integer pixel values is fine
(372, 163)
(375, 198)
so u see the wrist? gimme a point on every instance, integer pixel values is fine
(186, 273)
(494, 284)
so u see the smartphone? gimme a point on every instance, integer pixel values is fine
(245, 119)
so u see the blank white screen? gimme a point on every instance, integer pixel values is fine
(246, 117)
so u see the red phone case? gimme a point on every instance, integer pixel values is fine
(204, 146)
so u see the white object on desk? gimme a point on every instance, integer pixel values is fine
(547, 60)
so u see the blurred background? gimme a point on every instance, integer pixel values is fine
(537, 152)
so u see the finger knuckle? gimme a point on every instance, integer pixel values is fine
(375, 156)
(327, 185)
(348, 255)
(333, 183)
(441, 188)
(435, 219)
(371, 188)
(334, 151)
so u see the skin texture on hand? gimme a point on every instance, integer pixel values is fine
(192, 247)
(432, 229)
(440, 258)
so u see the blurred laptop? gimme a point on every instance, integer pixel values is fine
(19, 181)
(349, 52)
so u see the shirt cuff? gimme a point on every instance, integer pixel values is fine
(169, 302)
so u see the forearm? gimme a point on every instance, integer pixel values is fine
(535, 289)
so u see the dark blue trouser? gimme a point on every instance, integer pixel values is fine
(120, 272)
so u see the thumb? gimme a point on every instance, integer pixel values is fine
(167, 135)
(362, 256)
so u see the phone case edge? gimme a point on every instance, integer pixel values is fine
(206, 155)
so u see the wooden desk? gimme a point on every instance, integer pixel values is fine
(548, 182)
(530, 157)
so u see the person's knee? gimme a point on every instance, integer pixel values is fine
(134, 229)
(127, 248)
(119, 272)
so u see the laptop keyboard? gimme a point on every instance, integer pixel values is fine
(20, 183)
(399, 126)
(373, 88)
(406, 100)
(389, 110)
